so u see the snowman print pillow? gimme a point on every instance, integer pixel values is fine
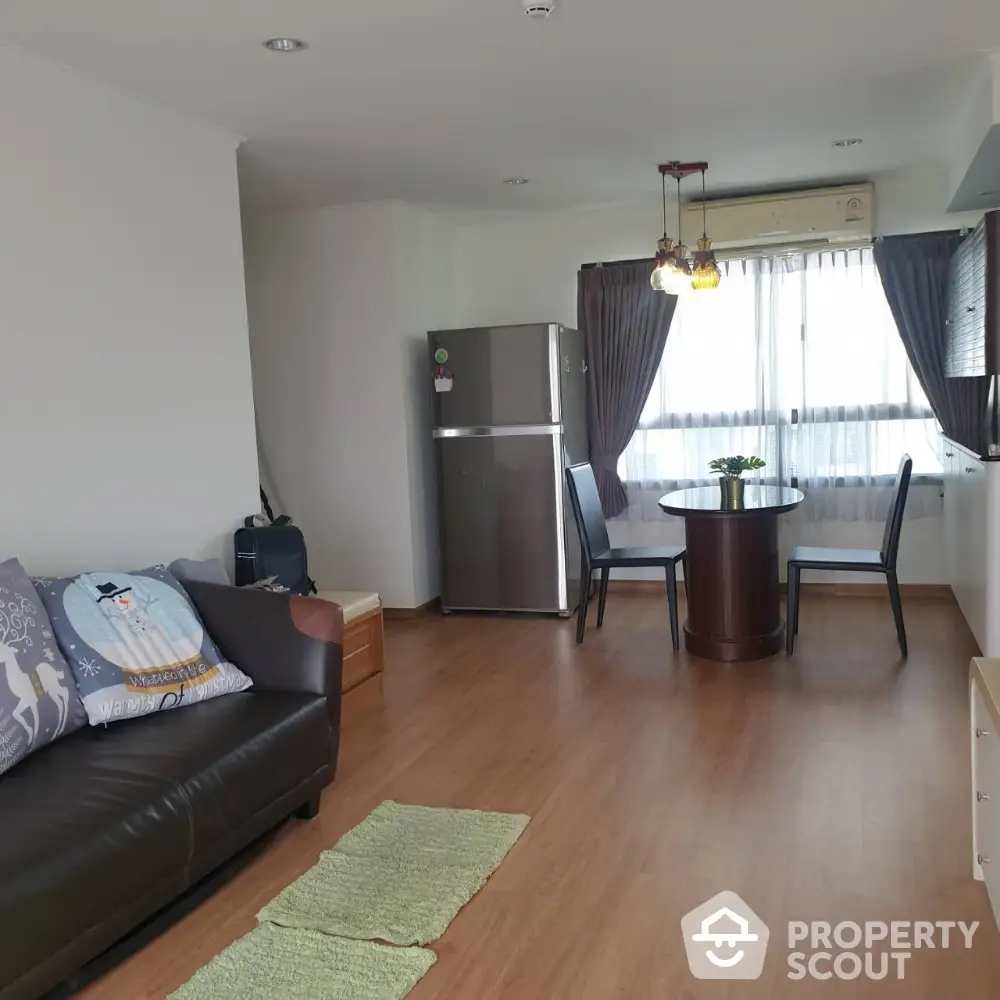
(135, 644)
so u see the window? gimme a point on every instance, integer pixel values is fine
(796, 359)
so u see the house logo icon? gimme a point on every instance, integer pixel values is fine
(725, 939)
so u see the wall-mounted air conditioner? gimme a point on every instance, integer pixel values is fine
(836, 215)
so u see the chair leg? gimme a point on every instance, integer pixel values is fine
(581, 608)
(602, 597)
(897, 610)
(792, 625)
(671, 571)
(684, 566)
(798, 595)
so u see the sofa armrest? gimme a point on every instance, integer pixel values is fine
(283, 642)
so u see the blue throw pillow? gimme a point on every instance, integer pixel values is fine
(38, 697)
(136, 644)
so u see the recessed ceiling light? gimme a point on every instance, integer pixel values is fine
(516, 181)
(845, 143)
(285, 44)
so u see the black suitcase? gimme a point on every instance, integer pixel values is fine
(276, 550)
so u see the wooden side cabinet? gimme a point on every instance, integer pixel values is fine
(364, 649)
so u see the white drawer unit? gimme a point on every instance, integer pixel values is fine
(984, 716)
(972, 541)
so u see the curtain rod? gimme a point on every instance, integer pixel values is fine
(779, 250)
(616, 263)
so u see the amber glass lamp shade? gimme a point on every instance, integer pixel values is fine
(705, 273)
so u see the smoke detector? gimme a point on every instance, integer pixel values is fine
(538, 9)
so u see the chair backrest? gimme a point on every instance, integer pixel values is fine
(894, 520)
(587, 510)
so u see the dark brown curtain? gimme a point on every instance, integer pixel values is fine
(914, 273)
(625, 325)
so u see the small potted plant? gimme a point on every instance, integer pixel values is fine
(730, 469)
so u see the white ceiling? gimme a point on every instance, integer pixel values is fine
(435, 101)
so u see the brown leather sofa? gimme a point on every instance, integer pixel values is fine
(105, 828)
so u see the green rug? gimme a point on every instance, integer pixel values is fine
(279, 963)
(400, 876)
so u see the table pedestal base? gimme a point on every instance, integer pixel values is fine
(729, 651)
(734, 602)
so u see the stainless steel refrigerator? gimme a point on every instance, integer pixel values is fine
(509, 409)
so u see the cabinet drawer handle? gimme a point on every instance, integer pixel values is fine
(969, 469)
(949, 454)
(982, 860)
(980, 733)
(982, 797)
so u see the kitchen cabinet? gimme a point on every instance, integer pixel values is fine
(984, 724)
(972, 541)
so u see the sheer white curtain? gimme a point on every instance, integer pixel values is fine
(795, 359)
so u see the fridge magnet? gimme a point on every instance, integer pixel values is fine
(441, 356)
(443, 379)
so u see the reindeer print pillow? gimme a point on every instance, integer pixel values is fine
(136, 644)
(39, 701)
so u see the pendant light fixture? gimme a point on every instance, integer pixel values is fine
(673, 273)
(705, 271)
(660, 279)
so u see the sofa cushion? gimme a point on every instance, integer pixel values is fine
(235, 760)
(39, 701)
(136, 644)
(107, 826)
(80, 841)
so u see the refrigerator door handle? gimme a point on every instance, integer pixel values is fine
(559, 466)
(513, 430)
(555, 395)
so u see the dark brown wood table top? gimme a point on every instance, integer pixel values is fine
(707, 500)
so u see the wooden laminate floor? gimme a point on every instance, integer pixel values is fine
(832, 785)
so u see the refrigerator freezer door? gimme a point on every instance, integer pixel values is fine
(499, 375)
(573, 391)
(501, 510)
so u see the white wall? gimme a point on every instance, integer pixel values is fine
(340, 301)
(126, 406)
(521, 267)
(425, 300)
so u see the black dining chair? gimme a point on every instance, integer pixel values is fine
(597, 552)
(858, 560)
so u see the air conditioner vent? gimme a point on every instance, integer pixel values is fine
(836, 215)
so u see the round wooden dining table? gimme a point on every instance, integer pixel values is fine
(731, 579)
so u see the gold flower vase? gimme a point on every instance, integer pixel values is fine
(732, 491)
